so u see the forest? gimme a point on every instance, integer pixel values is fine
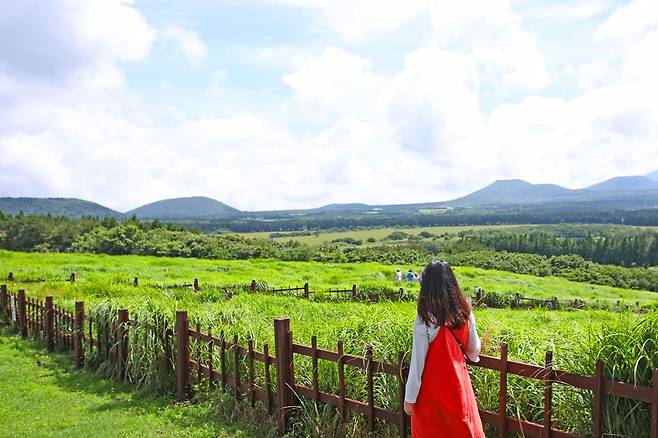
(484, 250)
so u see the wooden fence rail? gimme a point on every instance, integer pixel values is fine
(220, 361)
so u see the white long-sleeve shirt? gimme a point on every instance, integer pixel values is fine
(422, 336)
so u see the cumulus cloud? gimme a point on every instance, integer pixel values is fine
(69, 125)
(185, 42)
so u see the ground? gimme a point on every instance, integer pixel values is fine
(40, 396)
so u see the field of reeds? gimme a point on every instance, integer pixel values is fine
(626, 341)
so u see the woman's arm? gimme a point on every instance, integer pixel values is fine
(474, 343)
(418, 354)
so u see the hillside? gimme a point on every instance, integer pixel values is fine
(512, 191)
(70, 207)
(625, 183)
(184, 208)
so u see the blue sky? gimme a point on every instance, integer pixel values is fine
(274, 104)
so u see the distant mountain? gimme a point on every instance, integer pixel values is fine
(511, 191)
(196, 207)
(653, 175)
(70, 207)
(625, 183)
(341, 207)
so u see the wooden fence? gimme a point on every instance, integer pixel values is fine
(283, 393)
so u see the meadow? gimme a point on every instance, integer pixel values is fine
(319, 237)
(625, 340)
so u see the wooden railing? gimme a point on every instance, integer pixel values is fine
(66, 330)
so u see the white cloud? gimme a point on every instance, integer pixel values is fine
(415, 132)
(185, 42)
(217, 80)
(630, 21)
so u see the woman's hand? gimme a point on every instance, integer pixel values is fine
(409, 408)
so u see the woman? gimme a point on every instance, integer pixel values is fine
(439, 396)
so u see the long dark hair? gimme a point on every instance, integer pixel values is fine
(441, 301)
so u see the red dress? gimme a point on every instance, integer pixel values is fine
(446, 405)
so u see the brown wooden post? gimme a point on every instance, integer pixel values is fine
(598, 399)
(502, 393)
(654, 404)
(478, 297)
(236, 366)
(222, 359)
(283, 352)
(253, 285)
(182, 355)
(10, 277)
(404, 421)
(314, 365)
(548, 396)
(79, 333)
(196, 285)
(354, 292)
(341, 381)
(306, 290)
(136, 282)
(3, 303)
(250, 363)
(371, 391)
(211, 366)
(122, 340)
(50, 322)
(21, 315)
(72, 277)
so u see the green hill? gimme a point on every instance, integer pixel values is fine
(70, 207)
(625, 183)
(185, 208)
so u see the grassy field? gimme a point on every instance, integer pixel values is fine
(41, 397)
(112, 276)
(376, 233)
(577, 338)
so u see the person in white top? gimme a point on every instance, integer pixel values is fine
(439, 395)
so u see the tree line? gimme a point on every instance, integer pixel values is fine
(628, 248)
(108, 236)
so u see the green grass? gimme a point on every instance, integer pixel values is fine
(625, 341)
(376, 233)
(41, 397)
(111, 276)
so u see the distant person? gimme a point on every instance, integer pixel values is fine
(410, 275)
(439, 396)
(398, 275)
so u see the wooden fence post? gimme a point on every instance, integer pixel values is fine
(72, 277)
(253, 285)
(22, 313)
(10, 277)
(598, 399)
(79, 333)
(306, 290)
(3, 304)
(283, 352)
(502, 393)
(404, 419)
(136, 282)
(548, 396)
(182, 355)
(354, 292)
(49, 324)
(196, 285)
(654, 404)
(122, 341)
